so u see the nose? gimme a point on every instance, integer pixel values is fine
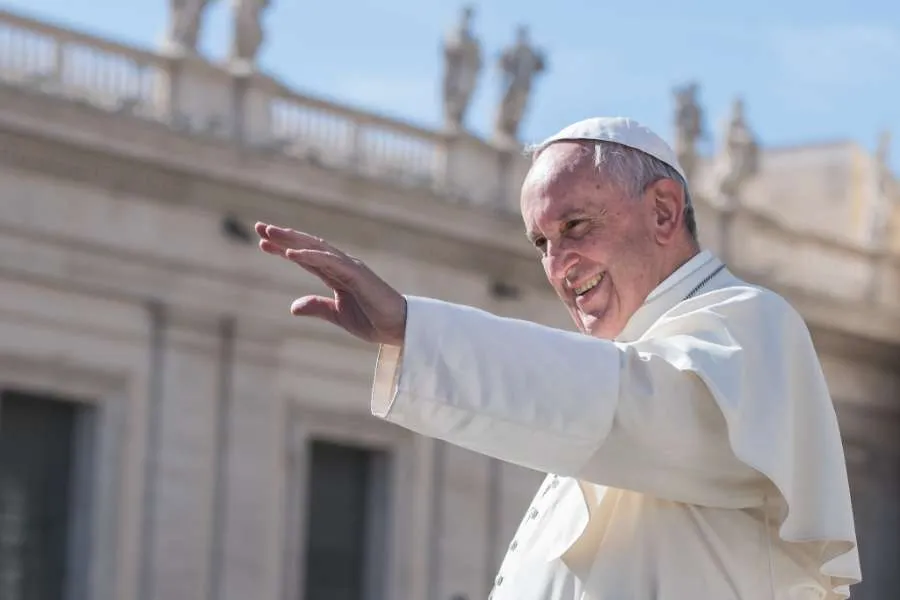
(558, 262)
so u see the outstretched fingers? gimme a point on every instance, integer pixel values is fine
(336, 269)
(290, 239)
(338, 272)
(270, 247)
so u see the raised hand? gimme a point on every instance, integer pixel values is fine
(363, 304)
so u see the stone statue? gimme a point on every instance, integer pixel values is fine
(185, 22)
(884, 195)
(738, 160)
(462, 64)
(883, 156)
(519, 64)
(688, 126)
(247, 34)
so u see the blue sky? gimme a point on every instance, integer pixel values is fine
(809, 70)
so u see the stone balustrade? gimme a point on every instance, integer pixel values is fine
(78, 66)
(191, 94)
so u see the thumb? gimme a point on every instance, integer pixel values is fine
(319, 307)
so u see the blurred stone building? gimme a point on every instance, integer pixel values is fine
(169, 432)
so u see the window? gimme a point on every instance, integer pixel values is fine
(38, 452)
(346, 523)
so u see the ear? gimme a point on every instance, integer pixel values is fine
(667, 203)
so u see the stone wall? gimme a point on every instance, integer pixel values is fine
(142, 292)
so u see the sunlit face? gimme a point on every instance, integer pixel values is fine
(602, 250)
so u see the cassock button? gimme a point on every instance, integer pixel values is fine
(533, 513)
(513, 545)
(555, 482)
(499, 580)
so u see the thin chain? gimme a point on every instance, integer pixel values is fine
(706, 280)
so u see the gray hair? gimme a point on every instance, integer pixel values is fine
(634, 171)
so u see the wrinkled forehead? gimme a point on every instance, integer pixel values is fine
(556, 161)
(560, 178)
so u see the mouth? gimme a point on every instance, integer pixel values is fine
(588, 285)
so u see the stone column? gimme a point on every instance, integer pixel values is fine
(250, 522)
(180, 459)
(463, 523)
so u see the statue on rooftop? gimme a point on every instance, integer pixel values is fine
(185, 23)
(883, 155)
(462, 65)
(879, 222)
(738, 158)
(247, 32)
(688, 126)
(519, 64)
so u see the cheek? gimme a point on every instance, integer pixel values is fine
(623, 245)
(598, 249)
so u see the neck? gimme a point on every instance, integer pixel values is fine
(678, 259)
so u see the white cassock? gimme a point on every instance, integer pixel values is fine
(697, 457)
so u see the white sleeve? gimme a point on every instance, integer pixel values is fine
(561, 402)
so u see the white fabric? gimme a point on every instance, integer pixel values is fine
(698, 456)
(620, 130)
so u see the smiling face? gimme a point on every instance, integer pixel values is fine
(603, 250)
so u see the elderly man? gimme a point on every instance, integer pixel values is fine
(692, 447)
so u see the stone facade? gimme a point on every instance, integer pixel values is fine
(128, 286)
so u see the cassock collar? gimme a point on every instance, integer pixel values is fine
(672, 291)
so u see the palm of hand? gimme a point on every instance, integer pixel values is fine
(353, 318)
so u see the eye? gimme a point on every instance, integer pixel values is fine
(540, 243)
(574, 225)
